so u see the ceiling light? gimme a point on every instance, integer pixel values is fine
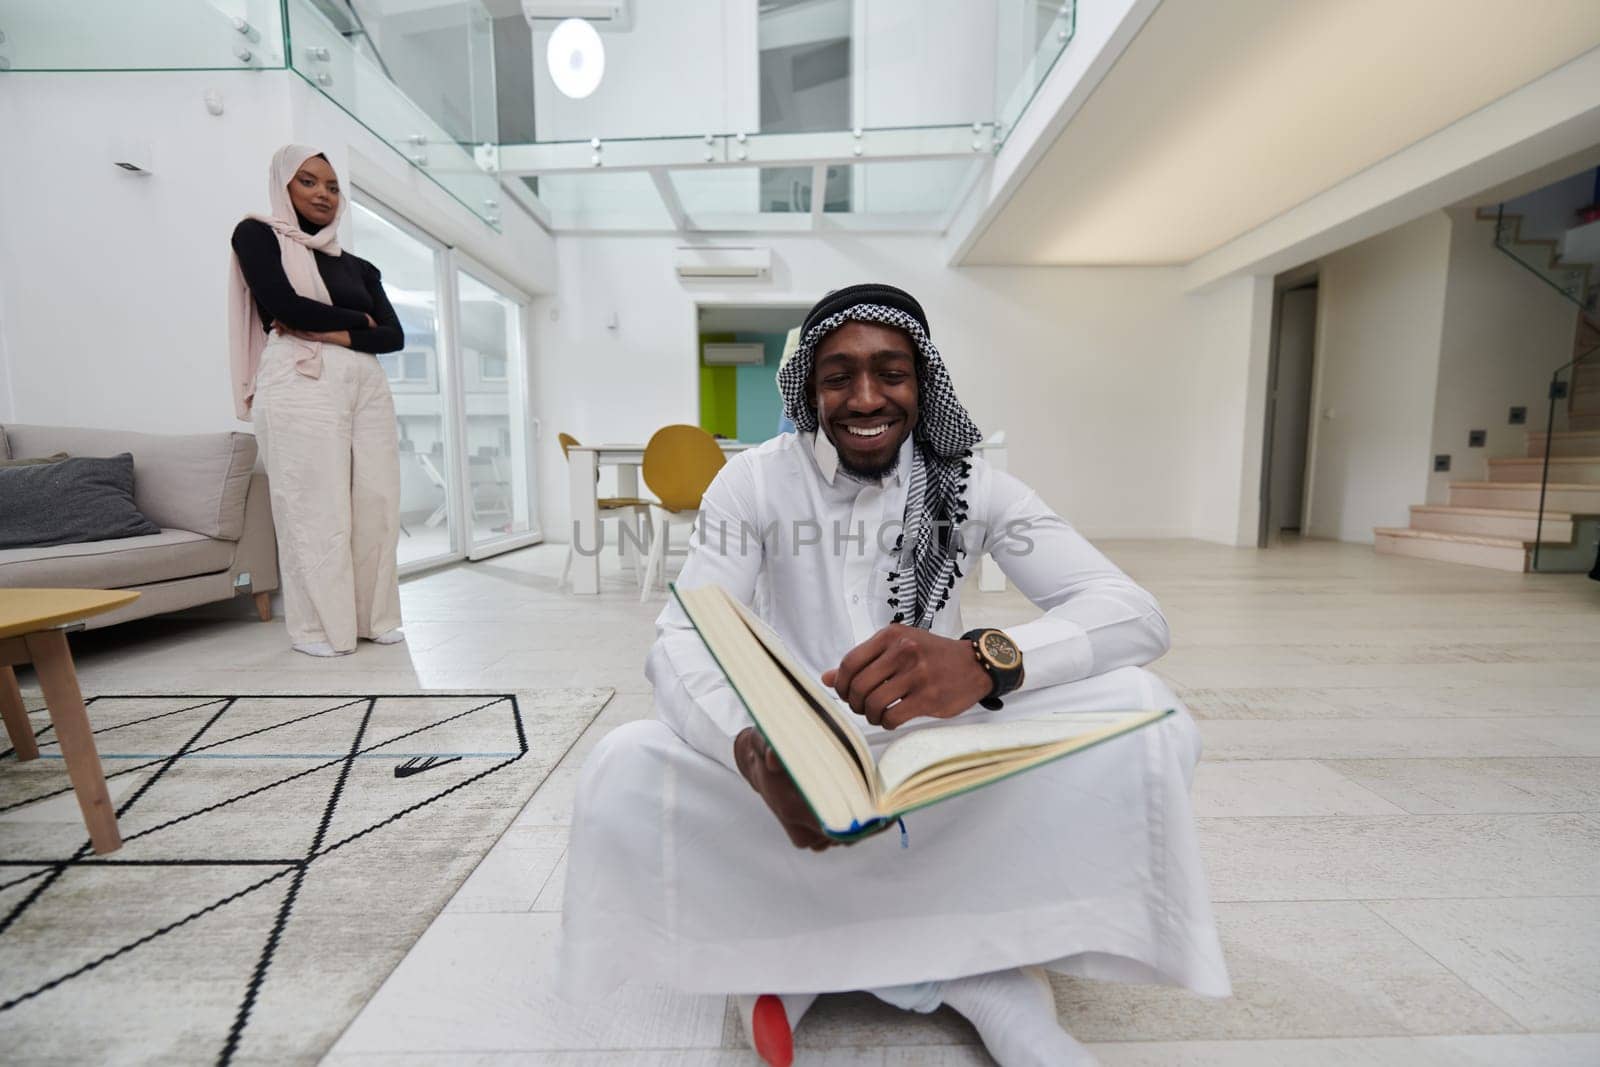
(576, 57)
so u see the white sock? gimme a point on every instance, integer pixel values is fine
(390, 637)
(319, 648)
(1015, 1014)
(795, 1005)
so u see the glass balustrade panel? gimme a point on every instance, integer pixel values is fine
(70, 35)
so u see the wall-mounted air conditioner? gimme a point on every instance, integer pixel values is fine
(735, 355)
(604, 14)
(692, 261)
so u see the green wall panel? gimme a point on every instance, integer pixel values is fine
(719, 393)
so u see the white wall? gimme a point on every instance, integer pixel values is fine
(1380, 322)
(6, 412)
(114, 285)
(1091, 371)
(1505, 330)
(925, 62)
(1223, 370)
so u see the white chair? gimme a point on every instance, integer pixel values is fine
(437, 479)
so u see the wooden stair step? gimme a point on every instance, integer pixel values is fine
(1513, 523)
(1445, 535)
(1572, 499)
(1573, 470)
(1496, 512)
(1495, 553)
(1566, 443)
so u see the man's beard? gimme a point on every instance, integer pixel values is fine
(876, 474)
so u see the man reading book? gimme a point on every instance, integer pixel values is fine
(695, 861)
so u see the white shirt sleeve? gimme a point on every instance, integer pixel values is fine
(1095, 618)
(693, 696)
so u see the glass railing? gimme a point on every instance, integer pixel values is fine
(449, 62)
(440, 54)
(1029, 38)
(87, 35)
(422, 78)
(1567, 533)
(897, 179)
(818, 67)
(1547, 255)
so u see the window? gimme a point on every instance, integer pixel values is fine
(491, 367)
(410, 367)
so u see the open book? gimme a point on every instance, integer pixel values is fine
(815, 737)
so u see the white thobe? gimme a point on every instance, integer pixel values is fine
(679, 875)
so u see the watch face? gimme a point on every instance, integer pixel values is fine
(999, 650)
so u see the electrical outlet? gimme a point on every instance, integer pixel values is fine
(1518, 417)
(1441, 464)
(1477, 438)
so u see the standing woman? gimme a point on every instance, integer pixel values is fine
(305, 321)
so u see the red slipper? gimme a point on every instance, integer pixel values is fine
(769, 1032)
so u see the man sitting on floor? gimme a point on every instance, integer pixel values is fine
(1087, 866)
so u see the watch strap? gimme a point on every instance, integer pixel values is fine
(999, 678)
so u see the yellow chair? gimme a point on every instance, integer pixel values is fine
(625, 509)
(679, 464)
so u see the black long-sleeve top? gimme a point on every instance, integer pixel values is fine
(354, 285)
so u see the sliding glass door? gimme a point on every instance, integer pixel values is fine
(412, 267)
(499, 485)
(460, 395)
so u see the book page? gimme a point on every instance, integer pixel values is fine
(808, 744)
(824, 700)
(930, 746)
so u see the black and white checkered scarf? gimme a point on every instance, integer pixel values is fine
(936, 505)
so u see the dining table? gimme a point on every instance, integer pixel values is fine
(584, 463)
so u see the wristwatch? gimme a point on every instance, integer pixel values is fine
(1000, 656)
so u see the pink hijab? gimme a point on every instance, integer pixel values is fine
(246, 338)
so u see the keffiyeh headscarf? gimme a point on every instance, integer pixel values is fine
(936, 505)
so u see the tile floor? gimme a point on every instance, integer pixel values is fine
(1399, 808)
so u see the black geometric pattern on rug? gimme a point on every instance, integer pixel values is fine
(47, 870)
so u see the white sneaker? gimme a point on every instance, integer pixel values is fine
(392, 637)
(320, 648)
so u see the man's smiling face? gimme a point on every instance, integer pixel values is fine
(865, 383)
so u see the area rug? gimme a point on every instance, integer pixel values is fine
(281, 854)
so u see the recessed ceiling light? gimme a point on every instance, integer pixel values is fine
(576, 57)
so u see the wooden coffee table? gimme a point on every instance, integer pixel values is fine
(30, 621)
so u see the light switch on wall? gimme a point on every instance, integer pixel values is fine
(133, 155)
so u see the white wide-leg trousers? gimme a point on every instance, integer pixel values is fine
(679, 876)
(332, 456)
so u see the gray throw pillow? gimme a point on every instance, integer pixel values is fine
(75, 500)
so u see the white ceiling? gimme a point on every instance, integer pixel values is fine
(1222, 114)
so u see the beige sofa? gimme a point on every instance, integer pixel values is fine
(203, 490)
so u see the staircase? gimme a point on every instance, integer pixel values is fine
(1495, 523)
(1579, 280)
